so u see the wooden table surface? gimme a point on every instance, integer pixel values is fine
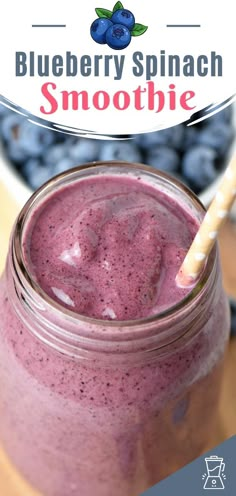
(11, 483)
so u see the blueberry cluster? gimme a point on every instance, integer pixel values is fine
(115, 28)
(194, 154)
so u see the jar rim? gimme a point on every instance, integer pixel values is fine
(56, 181)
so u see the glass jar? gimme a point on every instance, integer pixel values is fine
(105, 407)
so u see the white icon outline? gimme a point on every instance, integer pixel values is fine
(215, 473)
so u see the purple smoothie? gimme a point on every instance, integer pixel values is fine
(139, 400)
(110, 248)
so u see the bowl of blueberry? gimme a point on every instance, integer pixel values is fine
(31, 154)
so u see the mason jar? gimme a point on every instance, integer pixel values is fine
(102, 407)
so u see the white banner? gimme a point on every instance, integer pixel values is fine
(141, 66)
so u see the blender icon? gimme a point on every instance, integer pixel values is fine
(215, 473)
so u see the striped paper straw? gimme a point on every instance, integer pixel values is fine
(208, 231)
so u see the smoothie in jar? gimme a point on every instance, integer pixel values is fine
(110, 373)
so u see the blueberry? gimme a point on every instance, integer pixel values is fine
(10, 129)
(198, 166)
(233, 316)
(124, 17)
(63, 165)
(163, 158)
(34, 139)
(118, 37)
(120, 150)
(53, 154)
(15, 152)
(218, 136)
(190, 137)
(10, 126)
(35, 173)
(99, 28)
(84, 150)
(172, 137)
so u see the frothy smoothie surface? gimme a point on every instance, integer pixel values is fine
(109, 247)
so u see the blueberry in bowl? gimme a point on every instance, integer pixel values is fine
(199, 167)
(31, 154)
(164, 158)
(120, 150)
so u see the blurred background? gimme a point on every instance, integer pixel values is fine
(195, 154)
